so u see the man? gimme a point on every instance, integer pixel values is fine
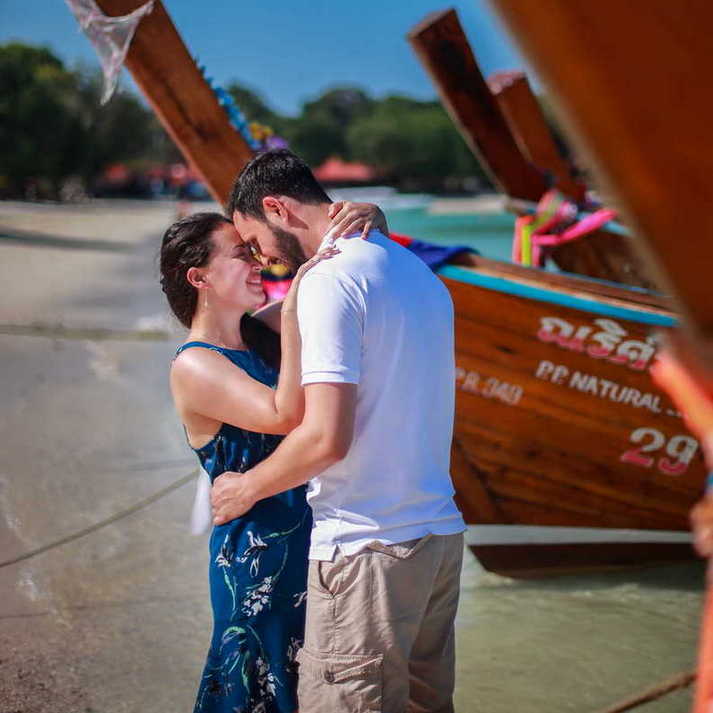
(378, 372)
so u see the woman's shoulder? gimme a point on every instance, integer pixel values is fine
(196, 361)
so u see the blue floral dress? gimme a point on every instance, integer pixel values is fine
(258, 577)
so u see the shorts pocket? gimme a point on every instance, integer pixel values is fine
(401, 550)
(324, 577)
(339, 683)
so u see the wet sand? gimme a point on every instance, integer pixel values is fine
(118, 620)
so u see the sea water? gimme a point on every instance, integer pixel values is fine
(575, 643)
(478, 223)
(490, 234)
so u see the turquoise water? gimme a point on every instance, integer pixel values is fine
(490, 234)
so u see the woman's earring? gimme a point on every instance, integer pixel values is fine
(205, 299)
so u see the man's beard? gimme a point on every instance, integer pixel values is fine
(291, 252)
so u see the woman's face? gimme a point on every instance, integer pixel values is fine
(232, 274)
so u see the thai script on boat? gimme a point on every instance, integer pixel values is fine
(489, 387)
(606, 340)
(602, 388)
(679, 451)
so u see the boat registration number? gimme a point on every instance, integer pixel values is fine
(488, 387)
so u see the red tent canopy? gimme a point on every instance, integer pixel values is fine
(334, 170)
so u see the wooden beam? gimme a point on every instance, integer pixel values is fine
(442, 47)
(633, 88)
(184, 103)
(527, 122)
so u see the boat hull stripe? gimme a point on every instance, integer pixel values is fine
(511, 287)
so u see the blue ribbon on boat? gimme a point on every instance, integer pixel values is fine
(435, 256)
(235, 116)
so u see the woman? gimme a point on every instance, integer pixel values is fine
(223, 380)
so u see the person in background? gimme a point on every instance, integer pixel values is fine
(692, 392)
(235, 410)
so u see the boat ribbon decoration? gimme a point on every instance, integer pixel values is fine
(258, 137)
(235, 115)
(111, 37)
(555, 221)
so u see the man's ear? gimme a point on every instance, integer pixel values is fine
(275, 209)
(196, 278)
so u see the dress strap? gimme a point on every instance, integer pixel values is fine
(204, 345)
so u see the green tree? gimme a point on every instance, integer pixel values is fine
(52, 125)
(340, 105)
(39, 125)
(121, 130)
(316, 139)
(321, 129)
(253, 105)
(413, 143)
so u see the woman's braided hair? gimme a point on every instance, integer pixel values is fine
(188, 243)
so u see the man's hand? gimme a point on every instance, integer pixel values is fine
(230, 497)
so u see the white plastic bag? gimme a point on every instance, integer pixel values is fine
(201, 515)
(111, 37)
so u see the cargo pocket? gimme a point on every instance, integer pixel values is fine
(339, 683)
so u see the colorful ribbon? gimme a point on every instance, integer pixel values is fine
(554, 222)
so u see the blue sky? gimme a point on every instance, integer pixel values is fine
(288, 50)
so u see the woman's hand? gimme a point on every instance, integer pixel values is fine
(349, 217)
(289, 304)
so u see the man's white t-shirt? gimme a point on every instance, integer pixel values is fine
(375, 315)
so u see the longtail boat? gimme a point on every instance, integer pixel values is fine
(558, 424)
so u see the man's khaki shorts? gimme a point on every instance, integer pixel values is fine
(379, 633)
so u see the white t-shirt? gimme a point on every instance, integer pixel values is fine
(375, 315)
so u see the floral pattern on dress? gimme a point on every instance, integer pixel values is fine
(258, 576)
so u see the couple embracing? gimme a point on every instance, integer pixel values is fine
(325, 424)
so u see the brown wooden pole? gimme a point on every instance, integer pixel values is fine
(632, 86)
(528, 125)
(442, 47)
(185, 104)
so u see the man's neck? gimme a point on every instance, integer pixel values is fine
(317, 219)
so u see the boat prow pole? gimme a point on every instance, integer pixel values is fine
(183, 101)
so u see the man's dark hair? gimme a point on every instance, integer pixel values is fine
(273, 173)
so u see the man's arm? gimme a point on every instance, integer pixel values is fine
(322, 439)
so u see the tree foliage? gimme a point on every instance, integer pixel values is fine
(39, 127)
(52, 126)
(413, 143)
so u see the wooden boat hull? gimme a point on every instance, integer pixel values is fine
(533, 561)
(558, 422)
